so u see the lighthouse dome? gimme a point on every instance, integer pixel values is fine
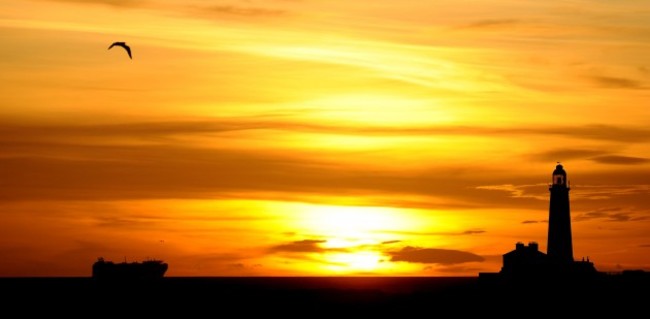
(559, 175)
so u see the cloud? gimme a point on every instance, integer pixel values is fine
(534, 221)
(124, 222)
(157, 160)
(645, 245)
(620, 160)
(154, 160)
(434, 256)
(216, 264)
(227, 258)
(591, 132)
(223, 12)
(559, 155)
(302, 246)
(598, 156)
(614, 214)
(517, 191)
(244, 11)
(497, 259)
(455, 269)
(491, 23)
(390, 242)
(165, 130)
(462, 233)
(604, 192)
(406, 254)
(644, 70)
(114, 3)
(616, 82)
(473, 232)
(82, 248)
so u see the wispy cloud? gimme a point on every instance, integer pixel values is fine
(614, 214)
(602, 156)
(627, 134)
(85, 247)
(217, 263)
(534, 221)
(434, 256)
(560, 155)
(461, 233)
(491, 23)
(301, 246)
(599, 192)
(517, 191)
(114, 3)
(455, 269)
(405, 254)
(243, 11)
(154, 160)
(12, 131)
(617, 83)
(620, 160)
(124, 222)
(489, 264)
(473, 232)
(643, 70)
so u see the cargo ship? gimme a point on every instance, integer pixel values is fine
(148, 269)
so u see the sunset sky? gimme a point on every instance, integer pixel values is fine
(320, 138)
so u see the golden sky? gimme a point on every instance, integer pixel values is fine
(310, 137)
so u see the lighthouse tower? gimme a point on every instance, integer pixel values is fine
(560, 246)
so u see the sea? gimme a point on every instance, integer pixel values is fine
(312, 297)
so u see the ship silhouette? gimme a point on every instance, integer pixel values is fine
(148, 269)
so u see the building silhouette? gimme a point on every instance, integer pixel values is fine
(524, 259)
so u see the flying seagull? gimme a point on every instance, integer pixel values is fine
(122, 44)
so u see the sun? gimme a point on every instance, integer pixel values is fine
(351, 262)
(353, 236)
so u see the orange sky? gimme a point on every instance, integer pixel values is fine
(279, 137)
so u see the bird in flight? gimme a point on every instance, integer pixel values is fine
(122, 44)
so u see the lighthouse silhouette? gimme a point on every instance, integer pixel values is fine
(560, 246)
(557, 263)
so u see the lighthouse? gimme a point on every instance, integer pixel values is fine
(527, 263)
(560, 246)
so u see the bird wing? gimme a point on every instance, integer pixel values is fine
(128, 50)
(122, 44)
(117, 43)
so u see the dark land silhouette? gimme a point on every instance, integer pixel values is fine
(306, 297)
(530, 284)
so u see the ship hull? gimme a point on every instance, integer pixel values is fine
(151, 269)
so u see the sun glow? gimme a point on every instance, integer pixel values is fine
(354, 222)
(373, 108)
(362, 261)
